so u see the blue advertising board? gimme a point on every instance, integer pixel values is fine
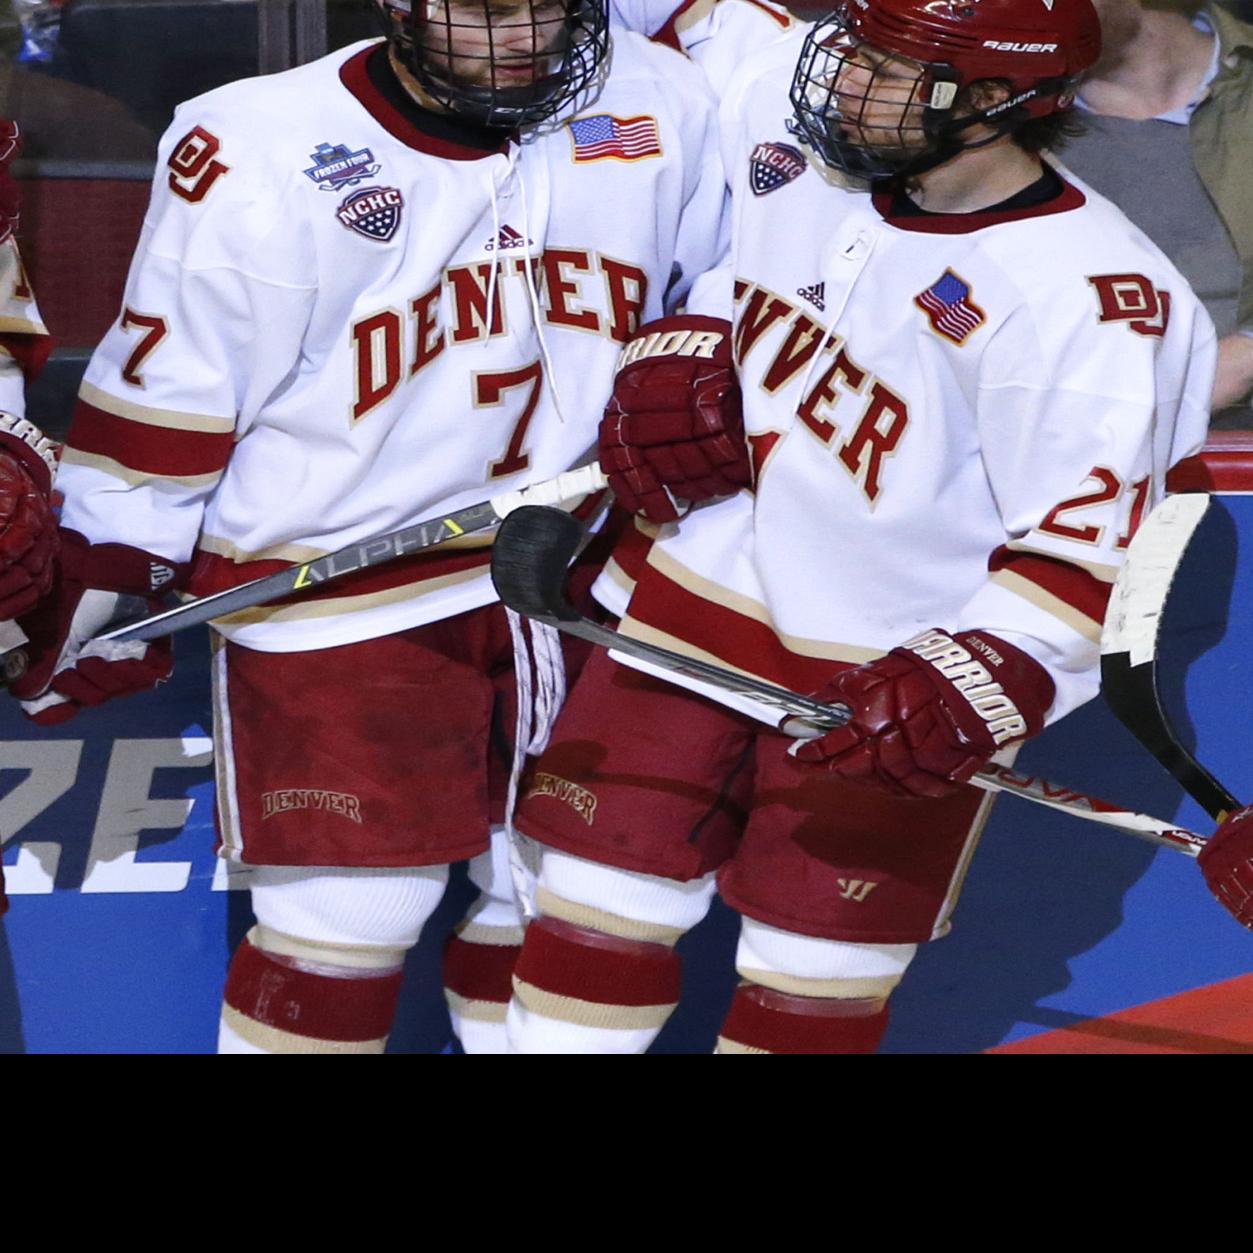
(1069, 936)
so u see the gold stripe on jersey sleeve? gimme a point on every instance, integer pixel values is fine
(136, 478)
(275, 552)
(746, 607)
(1097, 569)
(650, 635)
(1052, 605)
(171, 419)
(617, 575)
(689, 16)
(21, 326)
(302, 554)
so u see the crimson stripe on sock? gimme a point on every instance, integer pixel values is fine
(764, 1019)
(480, 972)
(574, 961)
(316, 1006)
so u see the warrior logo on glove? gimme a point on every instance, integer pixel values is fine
(674, 427)
(932, 712)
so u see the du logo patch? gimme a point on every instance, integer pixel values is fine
(336, 167)
(773, 166)
(374, 212)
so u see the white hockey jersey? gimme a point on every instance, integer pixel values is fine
(717, 34)
(24, 341)
(955, 421)
(337, 325)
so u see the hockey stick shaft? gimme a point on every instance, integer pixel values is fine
(528, 568)
(311, 575)
(810, 718)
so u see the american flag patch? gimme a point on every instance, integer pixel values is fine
(949, 308)
(604, 136)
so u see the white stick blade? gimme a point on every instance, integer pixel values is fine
(1143, 584)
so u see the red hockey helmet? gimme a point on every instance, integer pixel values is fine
(879, 81)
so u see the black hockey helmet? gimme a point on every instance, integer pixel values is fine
(505, 63)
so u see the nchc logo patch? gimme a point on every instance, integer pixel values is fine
(374, 212)
(773, 166)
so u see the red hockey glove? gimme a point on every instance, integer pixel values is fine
(674, 426)
(10, 197)
(96, 586)
(1226, 861)
(932, 712)
(28, 527)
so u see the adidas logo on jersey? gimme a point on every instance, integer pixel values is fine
(506, 238)
(816, 295)
(158, 575)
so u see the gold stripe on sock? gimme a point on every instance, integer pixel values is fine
(872, 988)
(355, 956)
(601, 920)
(274, 1040)
(590, 1013)
(475, 1010)
(734, 1046)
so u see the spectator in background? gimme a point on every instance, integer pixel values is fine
(1168, 136)
(69, 122)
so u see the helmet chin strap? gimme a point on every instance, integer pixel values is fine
(950, 146)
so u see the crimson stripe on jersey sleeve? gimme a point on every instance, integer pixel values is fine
(739, 641)
(1073, 585)
(29, 351)
(145, 448)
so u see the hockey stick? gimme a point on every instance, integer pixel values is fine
(1129, 644)
(347, 560)
(532, 551)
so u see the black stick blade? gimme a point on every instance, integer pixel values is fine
(530, 557)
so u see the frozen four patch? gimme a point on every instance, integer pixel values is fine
(373, 212)
(336, 167)
(773, 166)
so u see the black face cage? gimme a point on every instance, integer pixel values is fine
(504, 64)
(889, 125)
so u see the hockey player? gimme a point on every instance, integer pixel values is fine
(369, 291)
(28, 529)
(963, 379)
